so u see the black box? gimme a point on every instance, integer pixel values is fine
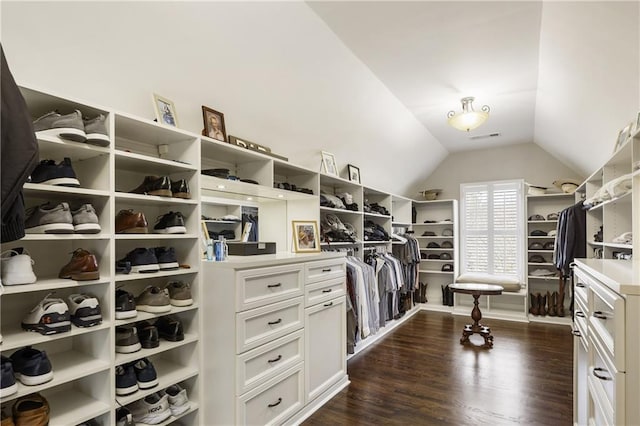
(250, 248)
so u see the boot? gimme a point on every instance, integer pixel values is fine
(450, 296)
(423, 293)
(445, 295)
(553, 302)
(416, 295)
(543, 304)
(534, 309)
(560, 303)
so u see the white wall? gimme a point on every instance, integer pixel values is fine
(522, 161)
(279, 75)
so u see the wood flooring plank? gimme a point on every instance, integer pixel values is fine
(420, 374)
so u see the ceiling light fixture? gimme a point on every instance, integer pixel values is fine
(468, 119)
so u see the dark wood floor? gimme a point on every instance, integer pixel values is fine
(420, 375)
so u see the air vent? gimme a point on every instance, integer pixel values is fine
(490, 135)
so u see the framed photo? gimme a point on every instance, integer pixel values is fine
(305, 236)
(354, 173)
(165, 111)
(623, 136)
(213, 124)
(329, 164)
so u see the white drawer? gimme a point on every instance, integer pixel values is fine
(599, 412)
(261, 325)
(264, 362)
(581, 286)
(608, 382)
(273, 402)
(325, 290)
(580, 318)
(259, 287)
(324, 270)
(607, 316)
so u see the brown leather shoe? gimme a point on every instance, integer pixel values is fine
(130, 222)
(83, 266)
(154, 185)
(31, 410)
(7, 420)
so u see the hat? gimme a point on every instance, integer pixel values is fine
(567, 185)
(542, 273)
(447, 244)
(445, 256)
(423, 255)
(430, 194)
(448, 267)
(433, 244)
(538, 233)
(428, 234)
(536, 258)
(433, 256)
(536, 190)
(429, 221)
(552, 233)
(549, 245)
(552, 216)
(536, 217)
(535, 246)
(447, 232)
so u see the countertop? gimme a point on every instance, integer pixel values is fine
(261, 260)
(621, 276)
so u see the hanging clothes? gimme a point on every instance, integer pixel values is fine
(571, 237)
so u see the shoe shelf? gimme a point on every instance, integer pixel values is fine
(547, 278)
(218, 186)
(14, 337)
(145, 200)
(143, 276)
(163, 347)
(155, 237)
(146, 316)
(129, 127)
(38, 189)
(41, 102)
(71, 406)
(192, 407)
(51, 284)
(149, 165)
(54, 147)
(169, 373)
(542, 237)
(540, 264)
(339, 211)
(541, 251)
(64, 237)
(546, 319)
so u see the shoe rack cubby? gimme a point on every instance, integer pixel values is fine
(84, 359)
(544, 205)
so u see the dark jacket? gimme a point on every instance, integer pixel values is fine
(18, 153)
(571, 237)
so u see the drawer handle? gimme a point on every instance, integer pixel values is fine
(326, 270)
(580, 285)
(275, 403)
(576, 333)
(327, 290)
(600, 315)
(275, 359)
(274, 285)
(328, 304)
(580, 314)
(599, 376)
(275, 322)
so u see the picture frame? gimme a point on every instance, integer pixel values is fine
(213, 124)
(623, 135)
(165, 111)
(329, 164)
(306, 238)
(354, 173)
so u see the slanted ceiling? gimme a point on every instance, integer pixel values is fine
(564, 75)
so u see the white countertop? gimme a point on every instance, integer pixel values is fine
(622, 276)
(260, 260)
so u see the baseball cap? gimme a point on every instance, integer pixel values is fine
(549, 245)
(447, 232)
(536, 258)
(538, 233)
(433, 244)
(448, 267)
(447, 244)
(445, 256)
(428, 234)
(552, 216)
(535, 246)
(433, 256)
(552, 233)
(536, 217)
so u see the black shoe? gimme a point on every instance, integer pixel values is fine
(148, 335)
(50, 173)
(142, 260)
(154, 185)
(123, 267)
(170, 223)
(167, 258)
(125, 305)
(180, 189)
(170, 328)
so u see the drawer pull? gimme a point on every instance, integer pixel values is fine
(328, 304)
(278, 321)
(274, 285)
(326, 270)
(600, 315)
(576, 333)
(580, 314)
(580, 285)
(595, 370)
(275, 359)
(275, 403)
(327, 290)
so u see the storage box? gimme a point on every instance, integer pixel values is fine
(250, 248)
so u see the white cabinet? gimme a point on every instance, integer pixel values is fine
(275, 336)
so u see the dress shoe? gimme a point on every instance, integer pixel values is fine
(154, 185)
(180, 189)
(31, 410)
(83, 266)
(130, 222)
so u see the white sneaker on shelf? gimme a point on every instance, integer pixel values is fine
(50, 316)
(151, 410)
(17, 267)
(178, 400)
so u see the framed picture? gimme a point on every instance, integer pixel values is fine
(354, 173)
(165, 111)
(623, 136)
(329, 164)
(213, 124)
(305, 236)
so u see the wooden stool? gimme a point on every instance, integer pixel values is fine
(477, 290)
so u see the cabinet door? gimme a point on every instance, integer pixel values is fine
(325, 346)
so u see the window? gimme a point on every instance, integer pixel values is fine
(492, 234)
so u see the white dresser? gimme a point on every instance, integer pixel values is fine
(274, 337)
(606, 348)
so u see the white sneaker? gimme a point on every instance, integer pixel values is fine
(151, 410)
(85, 310)
(50, 316)
(178, 401)
(17, 267)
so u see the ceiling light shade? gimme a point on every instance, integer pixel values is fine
(468, 119)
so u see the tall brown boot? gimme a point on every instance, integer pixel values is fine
(560, 304)
(534, 309)
(543, 304)
(416, 295)
(423, 293)
(553, 302)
